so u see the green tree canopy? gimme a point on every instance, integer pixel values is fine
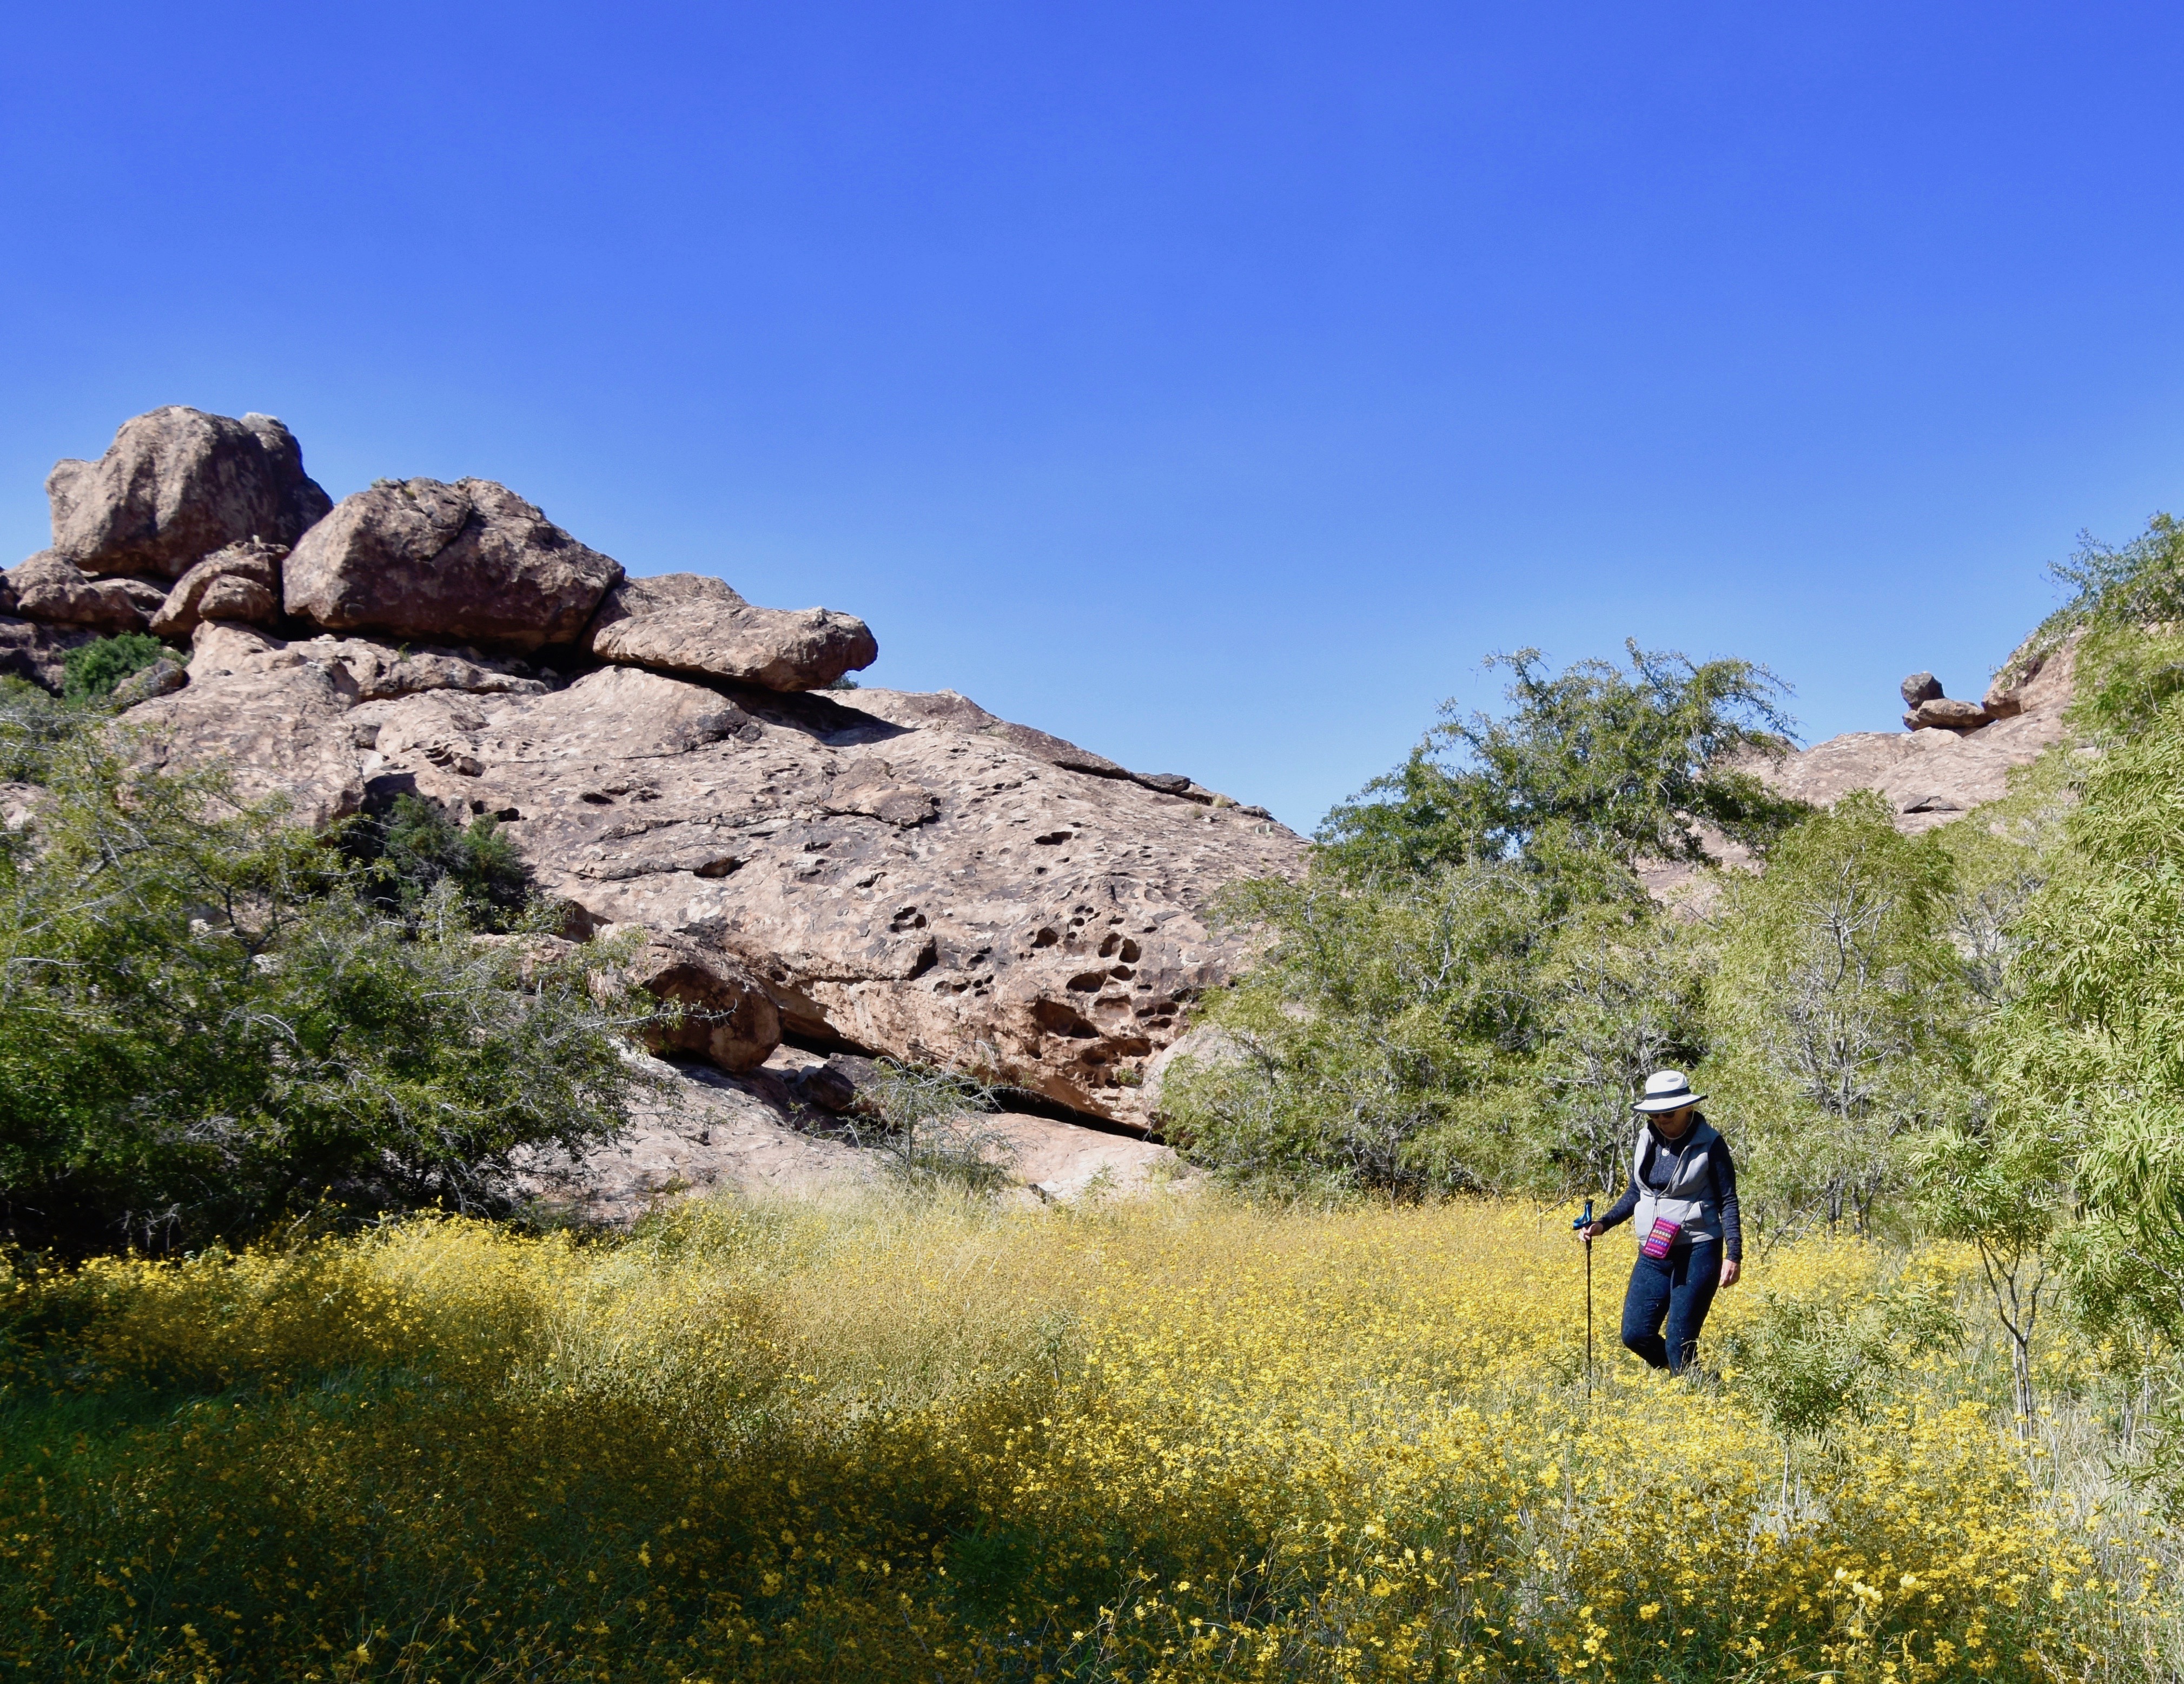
(1594, 768)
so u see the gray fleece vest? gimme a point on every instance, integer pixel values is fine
(1688, 1196)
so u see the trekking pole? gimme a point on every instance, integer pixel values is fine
(1581, 1224)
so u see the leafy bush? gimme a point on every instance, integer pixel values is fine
(94, 669)
(209, 1026)
(1471, 979)
(1838, 1013)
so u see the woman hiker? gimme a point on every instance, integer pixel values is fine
(1683, 1190)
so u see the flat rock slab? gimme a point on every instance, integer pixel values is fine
(1064, 1163)
(701, 1134)
(690, 623)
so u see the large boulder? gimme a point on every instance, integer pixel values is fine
(1944, 714)
(240, 583)
(49, 589)
(177, 484)
(689, 622)
(470, 562)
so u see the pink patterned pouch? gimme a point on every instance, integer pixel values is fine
(1664, 1235)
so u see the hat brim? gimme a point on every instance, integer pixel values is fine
(1666, 1103)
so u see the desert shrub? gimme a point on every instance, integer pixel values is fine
(931, 1127)
(1376, 1040)
(206, 1026)
(92, 670)
(33, 725)
(1838, 1014)
(1590, 770)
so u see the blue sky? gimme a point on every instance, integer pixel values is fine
(1214, 385)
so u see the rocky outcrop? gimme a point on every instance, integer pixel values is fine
(56, 592)
(470, 562)
(1932, 776)
(689, 623)
(175, 486)
(900, 874)
(864, 873)
(240, 583)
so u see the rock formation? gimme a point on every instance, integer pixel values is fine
(47, 588)
(240, 583)
(866, 872)
(1942, 765)
(175, 486)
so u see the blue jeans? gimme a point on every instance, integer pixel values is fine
(1679, 1288)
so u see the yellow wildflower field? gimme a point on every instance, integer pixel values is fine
(1185, 1439)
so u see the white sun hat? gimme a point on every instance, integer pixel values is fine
(1666, 1090)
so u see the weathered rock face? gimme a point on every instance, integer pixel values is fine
(1921, 687)
(900, 874)
(47, 588)
(689, 623)
(470, 561)
(241, 584)
(175, 486)
(728, 1018)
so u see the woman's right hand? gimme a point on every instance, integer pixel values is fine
(1591, 1234)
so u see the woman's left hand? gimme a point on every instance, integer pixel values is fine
(1730, 1269)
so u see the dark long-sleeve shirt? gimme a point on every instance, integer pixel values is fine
(1720, 1168)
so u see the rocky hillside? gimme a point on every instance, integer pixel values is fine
(847, 869)
(820, 871)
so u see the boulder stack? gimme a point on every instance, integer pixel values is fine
(1931, 711)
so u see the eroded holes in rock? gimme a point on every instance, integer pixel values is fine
(1130, 952)
(1087, 982)
(1107, 947)
(1046, 937)
(598, 798)
(908, 918)
(1059, 1018)
(1052, 838)
(1121, 974)
(721, 865)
